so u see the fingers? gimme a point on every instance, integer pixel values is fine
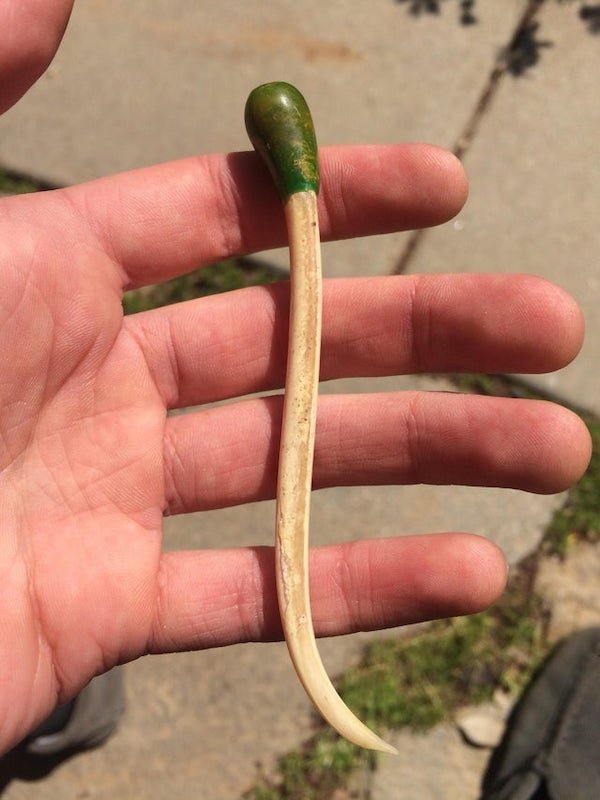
(168, 219)
(31, 33)
(228, 455)
(215, 598)
(235, 344)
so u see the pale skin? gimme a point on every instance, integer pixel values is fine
(90, 463)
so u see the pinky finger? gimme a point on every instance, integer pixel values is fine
(221, 597)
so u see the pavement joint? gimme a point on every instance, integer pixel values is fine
(501, 67)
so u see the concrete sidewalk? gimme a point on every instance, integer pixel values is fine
(143, 81)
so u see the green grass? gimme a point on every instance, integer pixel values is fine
(223, 277)
(315, 772)
(418, 681)
(579, 518)
(11, 183)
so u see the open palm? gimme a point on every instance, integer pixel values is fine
(90, 460)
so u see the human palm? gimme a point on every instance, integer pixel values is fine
(81, 486)
(90, 460)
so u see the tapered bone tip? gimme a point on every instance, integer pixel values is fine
(384, 747)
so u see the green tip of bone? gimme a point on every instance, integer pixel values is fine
(280, 127)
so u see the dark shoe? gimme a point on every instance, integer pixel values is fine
(85, 722)
(551, 749)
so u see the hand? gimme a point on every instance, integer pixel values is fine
(90, 462)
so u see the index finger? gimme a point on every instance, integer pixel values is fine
(165, 220)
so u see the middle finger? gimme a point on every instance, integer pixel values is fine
(229, 345)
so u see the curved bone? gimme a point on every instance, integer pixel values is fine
(295, 472)
(280, 128)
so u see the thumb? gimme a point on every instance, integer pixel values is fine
(31, 33)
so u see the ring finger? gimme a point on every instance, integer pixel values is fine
(228, 455)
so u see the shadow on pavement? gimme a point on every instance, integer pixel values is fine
(20, 765)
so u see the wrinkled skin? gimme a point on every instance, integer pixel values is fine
(90, 462)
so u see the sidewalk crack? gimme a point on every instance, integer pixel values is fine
(511, 59)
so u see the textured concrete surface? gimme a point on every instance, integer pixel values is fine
(571, 587)
(429, 767)
(152, 80)
(534, 170)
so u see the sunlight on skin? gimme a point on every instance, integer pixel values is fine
(90, 460)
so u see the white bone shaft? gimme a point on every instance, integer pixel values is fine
(295, 471)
